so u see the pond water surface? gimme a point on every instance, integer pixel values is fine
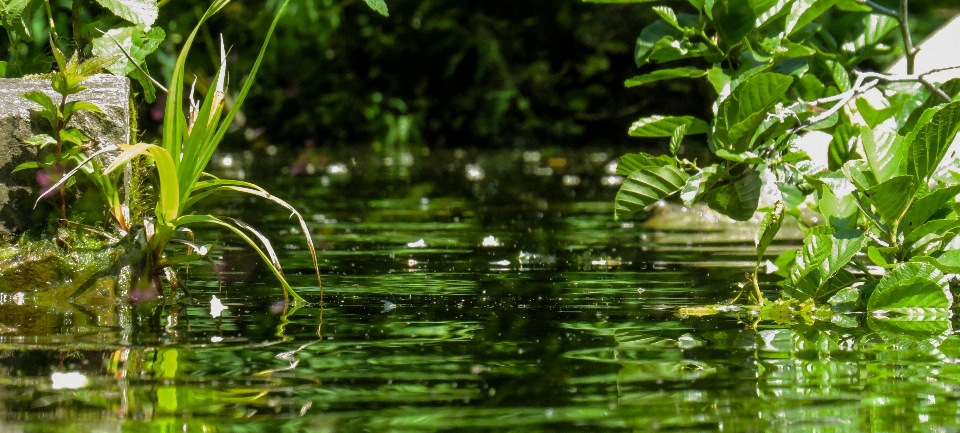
(470, 291)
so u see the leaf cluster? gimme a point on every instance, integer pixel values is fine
(781, 69)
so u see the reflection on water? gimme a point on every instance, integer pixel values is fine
(507, 301)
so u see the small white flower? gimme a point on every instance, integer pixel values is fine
(216, 307)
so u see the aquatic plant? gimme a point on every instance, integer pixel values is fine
(189, 141)
(882, 188)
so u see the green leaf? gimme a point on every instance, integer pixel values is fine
(885, 153)
(378, 5)
(837, 203)
(932, 141)
(733, 19)
(818, 271)
(668, 15)
(698, 184)
(664, 126)
(654, 37)
(892, 197)
(909, 287)
(769, 227)
(11, 12)
(50, 110)
(925, 207)
(41, 140)
(129, 47)
(29, 165)
(632, 162)
(73, 135)
(948, 262)
(803, 12)
(647, 186)
(741, 113)
(876, 256)
(665, 74)
(73, 106)
(920, 240)
(677, 138)
(738, 200)
(143, 13)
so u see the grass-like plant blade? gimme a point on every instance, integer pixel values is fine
(70, 174)
(911, 286)
(207, 187)
(647, 186)
(169, 194)
(174, 123)
(269, 257)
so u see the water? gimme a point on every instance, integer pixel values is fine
(472, 292)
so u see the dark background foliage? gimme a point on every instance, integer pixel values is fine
(497, 73)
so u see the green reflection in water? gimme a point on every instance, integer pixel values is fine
(568, 322)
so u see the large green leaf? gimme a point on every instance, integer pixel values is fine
(657, 36)
(925, 207)
(738, 200)
(769, 227)
(929, 235)
(140, 12)
(932, 141)
(378, 5)
(632, 162)
(664, 126)
(948, 262)
(741, 113)
(130, 46)
(11, 12)
(733, 19)
(698, 184)
(647, 186)
(818, 271)
(837, 202)
(664, 74)
(891, 198)
(885, 153)
(911, 288)
(803, 12)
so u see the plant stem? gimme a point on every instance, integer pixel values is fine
(909, 50)
(77, 24)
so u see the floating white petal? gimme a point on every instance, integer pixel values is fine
(71, 380)
(216, 307)
(418, 244)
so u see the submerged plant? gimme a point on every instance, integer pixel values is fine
(889, 204)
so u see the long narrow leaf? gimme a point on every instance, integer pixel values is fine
(209, 219)
(167, 209)
(73, 172)
(248, 188)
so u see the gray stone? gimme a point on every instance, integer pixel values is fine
(18, 191)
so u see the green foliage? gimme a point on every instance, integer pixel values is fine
(66, 146)
(780, 68)
(188, 143)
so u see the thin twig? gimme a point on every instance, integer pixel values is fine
(909, 50)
